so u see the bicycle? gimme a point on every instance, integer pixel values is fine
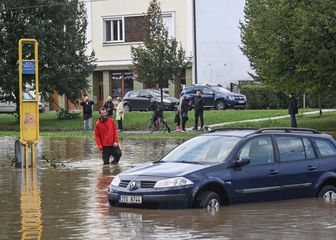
(159, 126)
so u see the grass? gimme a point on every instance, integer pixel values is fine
(50, 125)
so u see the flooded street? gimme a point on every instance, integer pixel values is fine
(65, 198)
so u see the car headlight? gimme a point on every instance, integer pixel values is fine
(173, 182)
(231, 97)
(115, 181)
(166, 101)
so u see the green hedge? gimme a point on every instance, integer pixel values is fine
(261, 97)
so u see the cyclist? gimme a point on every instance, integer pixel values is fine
(157, 109)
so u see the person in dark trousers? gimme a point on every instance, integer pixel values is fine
(106, 136)
(108, 105)
(177, 120)
(87, 113)
(199, 108)
(185, 105)
(157, 112)
(292, 109)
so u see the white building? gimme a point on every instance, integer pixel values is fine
(219, 59)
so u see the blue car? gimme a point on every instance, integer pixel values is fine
(225, 167)
(215, 96)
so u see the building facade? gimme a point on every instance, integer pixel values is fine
(208, 30)
(116, 26)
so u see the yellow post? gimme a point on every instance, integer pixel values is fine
(29, 112)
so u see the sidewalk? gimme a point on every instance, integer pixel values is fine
(268, 118)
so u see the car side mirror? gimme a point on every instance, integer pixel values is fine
(241, 162)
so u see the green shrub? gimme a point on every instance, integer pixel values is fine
(66, 115)
(261, 97)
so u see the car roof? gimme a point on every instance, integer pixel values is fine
(244, 132)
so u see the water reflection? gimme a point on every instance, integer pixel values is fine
(30, 205)
(70, 202)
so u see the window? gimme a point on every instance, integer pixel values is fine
(290, 148)
(325, 147)
(113, 30)
(203, 149)
(132, 94)
(258, 150)
(207, 91)
(167, 20)
(310, 153)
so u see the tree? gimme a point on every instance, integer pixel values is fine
(291, 44)
(159, 59)
(59, 26)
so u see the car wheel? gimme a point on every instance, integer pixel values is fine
(209, 200)
(220, 105)
(127, 108)
(328, 193)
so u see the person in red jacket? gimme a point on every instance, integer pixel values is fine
(106, 136)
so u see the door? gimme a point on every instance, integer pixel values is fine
(208, 97)
(257, 181)
(299, 166)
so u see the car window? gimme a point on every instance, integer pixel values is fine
(203, 149)
(309, 149)
(133, 94)
(221, 90)
(259, 150)
(325, 147)
(145, 94)
(290, 148)
(188, 90)
(207, 91)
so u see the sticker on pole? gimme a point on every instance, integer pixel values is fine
(28, 67)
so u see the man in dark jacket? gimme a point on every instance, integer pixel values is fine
(106, 136)
(199, 108)
(292, 109)
(87, 113)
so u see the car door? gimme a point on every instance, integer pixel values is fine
(208, 97)
(299, 166)
(257, 181)
(144, 100)
(132, 100)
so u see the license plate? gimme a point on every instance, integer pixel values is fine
(130, 199)
(241, 101)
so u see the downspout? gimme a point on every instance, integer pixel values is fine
(195, 42)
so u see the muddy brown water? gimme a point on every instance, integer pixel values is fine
(69, 202)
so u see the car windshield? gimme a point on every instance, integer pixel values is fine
(203, 150)
(157, 93)
(221, 90)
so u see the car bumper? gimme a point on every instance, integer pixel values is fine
(173, 198)
(236, 104)
(170, 107)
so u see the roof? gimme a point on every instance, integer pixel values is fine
(243, 132)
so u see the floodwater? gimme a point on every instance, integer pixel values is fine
(68, 201)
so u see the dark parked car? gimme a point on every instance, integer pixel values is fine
(233, 166)
(138, 100)
(215, 96)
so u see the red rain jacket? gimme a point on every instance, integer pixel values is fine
(106, 133)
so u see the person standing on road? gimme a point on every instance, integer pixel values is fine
(199, 108)
(106, 136)
(292, 109)
(87, 113)
(120, 113)
(109, 106)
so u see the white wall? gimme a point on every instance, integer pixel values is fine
(219, 59)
